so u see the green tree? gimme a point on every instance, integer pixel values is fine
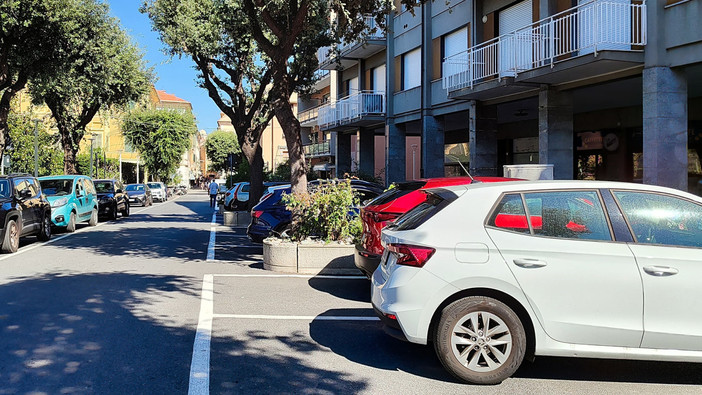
(161, 136)
(21, 137)
(213, 33)
(289, 33)
(100, 69)
(218, 146)
(103, 167)
(32, 38)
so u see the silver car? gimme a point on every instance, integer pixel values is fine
(158, 191)
(496, 272)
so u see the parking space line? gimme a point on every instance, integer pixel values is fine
(213, 236)
(317, 276)
(200, 364)
(296, 317)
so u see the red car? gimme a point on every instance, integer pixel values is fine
(392, 204)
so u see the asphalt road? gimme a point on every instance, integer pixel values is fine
(134, 306)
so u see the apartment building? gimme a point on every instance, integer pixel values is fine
(601, 89)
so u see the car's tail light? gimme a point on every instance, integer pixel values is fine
(410, 255)
(383, 217)
(256, 214)
(228, 193)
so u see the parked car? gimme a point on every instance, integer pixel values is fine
(270, 215)
(24, 211)
(112, 198)
(237, 197)
(496, 272)
(73, 199)
(158, 191)
(139, 194)
(393, 203)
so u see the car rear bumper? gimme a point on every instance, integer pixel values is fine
(366, 261)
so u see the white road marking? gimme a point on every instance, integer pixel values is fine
(320, 276)
(213, 233)
(200, 363)
(297, 317)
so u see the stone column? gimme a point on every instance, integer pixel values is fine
(343, 154)
(432, 147)
(366, 153)
(665, 127)
(395, 143)
(482, 129)
(556, 132)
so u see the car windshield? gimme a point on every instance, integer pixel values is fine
(5, 189)
(135, 187)
(57, 187)
(104, 186)
(154, 185)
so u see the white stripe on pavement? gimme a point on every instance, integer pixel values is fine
(319, 276)
(213, 233)
(200, 363)
(296, 317)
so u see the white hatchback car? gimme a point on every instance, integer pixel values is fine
(491, 273)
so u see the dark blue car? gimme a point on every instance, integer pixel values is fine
(270, 217)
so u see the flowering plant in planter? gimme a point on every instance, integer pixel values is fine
(325, 213)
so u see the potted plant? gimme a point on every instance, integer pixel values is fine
(322, 233)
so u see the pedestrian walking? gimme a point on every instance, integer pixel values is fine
(214, 188)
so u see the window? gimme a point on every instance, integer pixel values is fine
(456, 42)
(412, 69)
(20, 185)
(568, 214)
(510, 215)
(662, 219)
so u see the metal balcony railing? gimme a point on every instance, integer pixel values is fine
(351, 107)
(371, 32)
(587, 28)
(308, 115)
(318, 149)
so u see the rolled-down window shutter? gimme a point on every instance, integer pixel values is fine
(412, 69)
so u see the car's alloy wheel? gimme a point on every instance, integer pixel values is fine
(480, 340)
(12, 235)
(45, 232)
(93, 218)
(71, 227)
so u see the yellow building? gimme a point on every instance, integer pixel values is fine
(106, 130)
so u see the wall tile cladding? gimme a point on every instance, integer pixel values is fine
(449, 17)
(408, 31)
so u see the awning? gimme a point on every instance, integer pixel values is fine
(323, 167)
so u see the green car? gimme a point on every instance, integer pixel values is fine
(73, 199)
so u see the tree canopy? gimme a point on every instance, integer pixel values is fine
(101, 69)
(21, 138)
(219, 145)
(161, 137)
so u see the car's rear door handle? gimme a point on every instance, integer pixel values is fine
(529, 263)
(660, 271)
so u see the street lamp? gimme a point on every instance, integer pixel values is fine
(414, 150)
(36, 146)
(91, 139)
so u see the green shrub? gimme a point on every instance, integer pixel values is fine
(324, 213)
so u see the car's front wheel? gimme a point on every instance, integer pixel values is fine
(71, 227)
(93, 218)
(480, 340)
(12, 236)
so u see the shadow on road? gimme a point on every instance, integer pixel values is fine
(66, 333)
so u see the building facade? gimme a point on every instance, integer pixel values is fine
(599, 89)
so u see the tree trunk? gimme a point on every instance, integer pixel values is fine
(69, 160)
(292, 131)
(254, 155)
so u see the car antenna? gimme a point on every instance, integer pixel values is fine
(473, 180)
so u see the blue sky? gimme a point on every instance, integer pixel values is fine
(175, 76)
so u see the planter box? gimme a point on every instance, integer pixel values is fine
(237, 218)
(309, 258)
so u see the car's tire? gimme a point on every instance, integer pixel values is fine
(45, 231)
(10, 243)
(125, 212)
(113, 212)
(93, 218)
(485, 334)
(71, 227)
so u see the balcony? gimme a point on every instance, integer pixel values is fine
(593, 39)
(365, 108)
(371, 42)
(318, 150)
(308, 118)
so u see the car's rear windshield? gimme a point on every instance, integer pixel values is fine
(399, 190)
(154, 185)
(57, 187)
(435, 202)
(134, 187)
(104, 186)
